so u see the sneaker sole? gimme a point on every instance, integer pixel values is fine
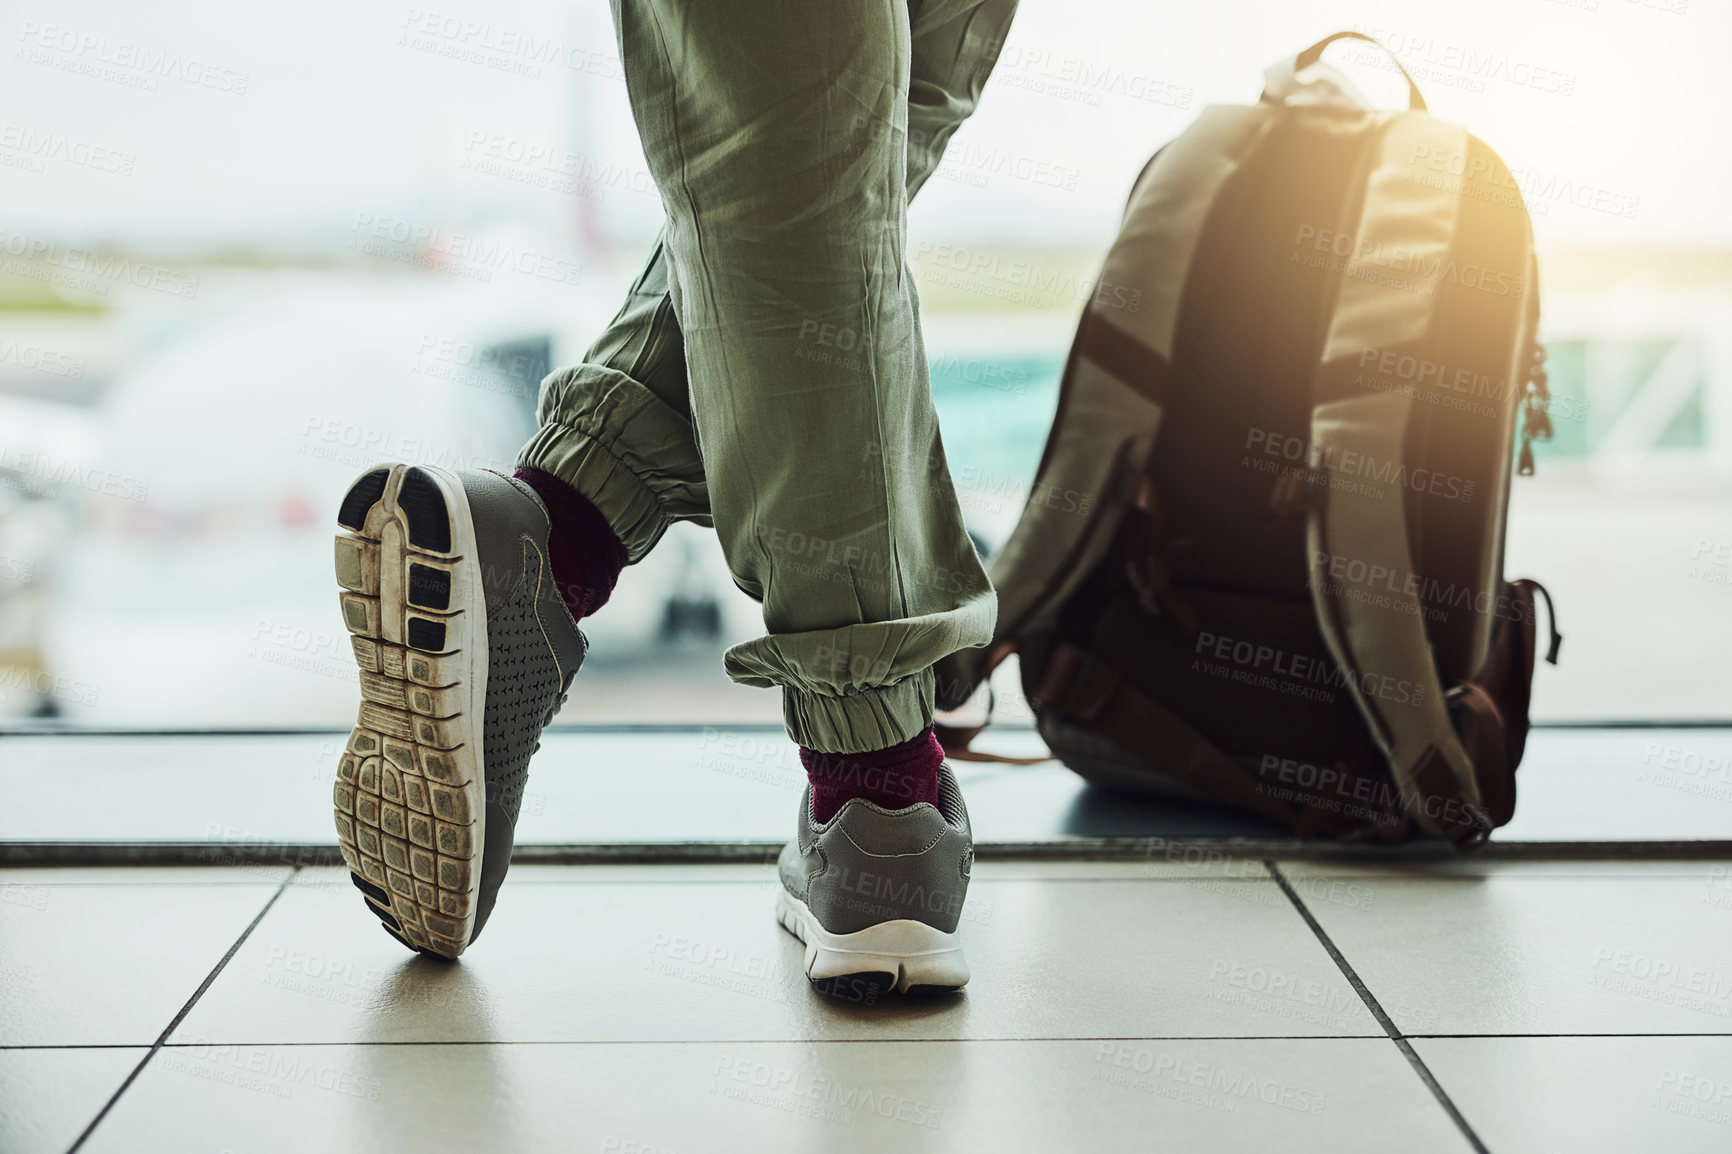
(903, 955)
(410, 793)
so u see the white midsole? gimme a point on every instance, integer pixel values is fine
(916, 953)
(475, 657)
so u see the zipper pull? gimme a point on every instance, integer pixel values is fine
(1536, 412)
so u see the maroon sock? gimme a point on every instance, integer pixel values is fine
(586, 555)
(897, 777)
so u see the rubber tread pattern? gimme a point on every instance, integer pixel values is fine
(429, 588)
(361, 497)
(424, 505)
(427, 636)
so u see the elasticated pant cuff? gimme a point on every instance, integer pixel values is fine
(862, 721)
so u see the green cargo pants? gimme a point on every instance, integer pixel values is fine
(766, 375)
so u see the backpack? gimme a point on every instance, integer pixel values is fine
(1262, 559)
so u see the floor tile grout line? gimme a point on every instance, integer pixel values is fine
(1376, 1009)
(874, 1041)
(267, 1044)
(1588, 1034)
(4, 1047)
(162, 1038)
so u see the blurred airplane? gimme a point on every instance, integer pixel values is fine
(196, 589)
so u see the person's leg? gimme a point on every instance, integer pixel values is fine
(776, 134)
(952, 47)
(619, 428)
(453, 584)
(779, 140)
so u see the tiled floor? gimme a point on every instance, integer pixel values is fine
(1222, 1006)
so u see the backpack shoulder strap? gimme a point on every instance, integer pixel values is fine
(1382, 650)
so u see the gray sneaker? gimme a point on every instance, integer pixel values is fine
(876, 893)
(466, 652)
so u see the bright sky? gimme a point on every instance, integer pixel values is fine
(278, 127)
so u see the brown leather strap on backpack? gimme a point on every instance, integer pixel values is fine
(1485, 735)
(956, 738)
